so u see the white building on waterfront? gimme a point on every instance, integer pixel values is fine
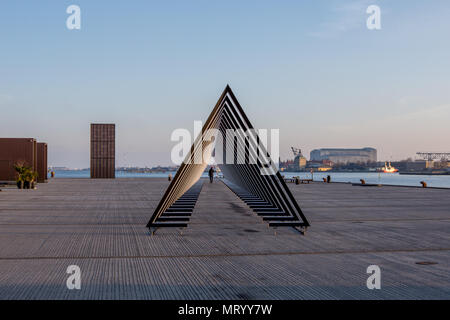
(342, 155)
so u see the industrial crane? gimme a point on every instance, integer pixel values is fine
(296, 151)
(430, 156)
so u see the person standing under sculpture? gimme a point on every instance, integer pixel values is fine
(211, 174)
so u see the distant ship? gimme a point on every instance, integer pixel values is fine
(388, 168)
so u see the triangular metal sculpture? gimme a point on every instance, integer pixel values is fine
(251, 175)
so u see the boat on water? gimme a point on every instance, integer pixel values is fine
(388, 168)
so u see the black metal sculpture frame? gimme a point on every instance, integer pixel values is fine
(252, 175)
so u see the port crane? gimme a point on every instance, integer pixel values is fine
(430, 156)
(296, 151)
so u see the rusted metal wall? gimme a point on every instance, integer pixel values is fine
(35, 154)
(13, 150)
(103, 153)
(42, 166)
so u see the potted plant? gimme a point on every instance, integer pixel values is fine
(21, 170)
(19, 181)
(27, 178)
(34, 177)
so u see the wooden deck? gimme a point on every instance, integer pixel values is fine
(227, 252)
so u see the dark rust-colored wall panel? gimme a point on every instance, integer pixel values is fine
(42, 165)
(103, 153)
(13, 150)
(35, 154)
(6, 171)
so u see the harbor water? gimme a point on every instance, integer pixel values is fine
(351, 177)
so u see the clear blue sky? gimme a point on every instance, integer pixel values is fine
(310, 68)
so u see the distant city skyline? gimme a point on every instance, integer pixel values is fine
(310, 69)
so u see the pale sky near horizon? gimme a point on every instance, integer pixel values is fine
(310, 68)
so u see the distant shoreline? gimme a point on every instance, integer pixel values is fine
(391, 179)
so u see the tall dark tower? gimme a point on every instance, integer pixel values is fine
(103, 151)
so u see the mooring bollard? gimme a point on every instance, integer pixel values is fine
(362, 181)
(423, 183)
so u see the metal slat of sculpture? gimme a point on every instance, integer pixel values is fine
(246, 165)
